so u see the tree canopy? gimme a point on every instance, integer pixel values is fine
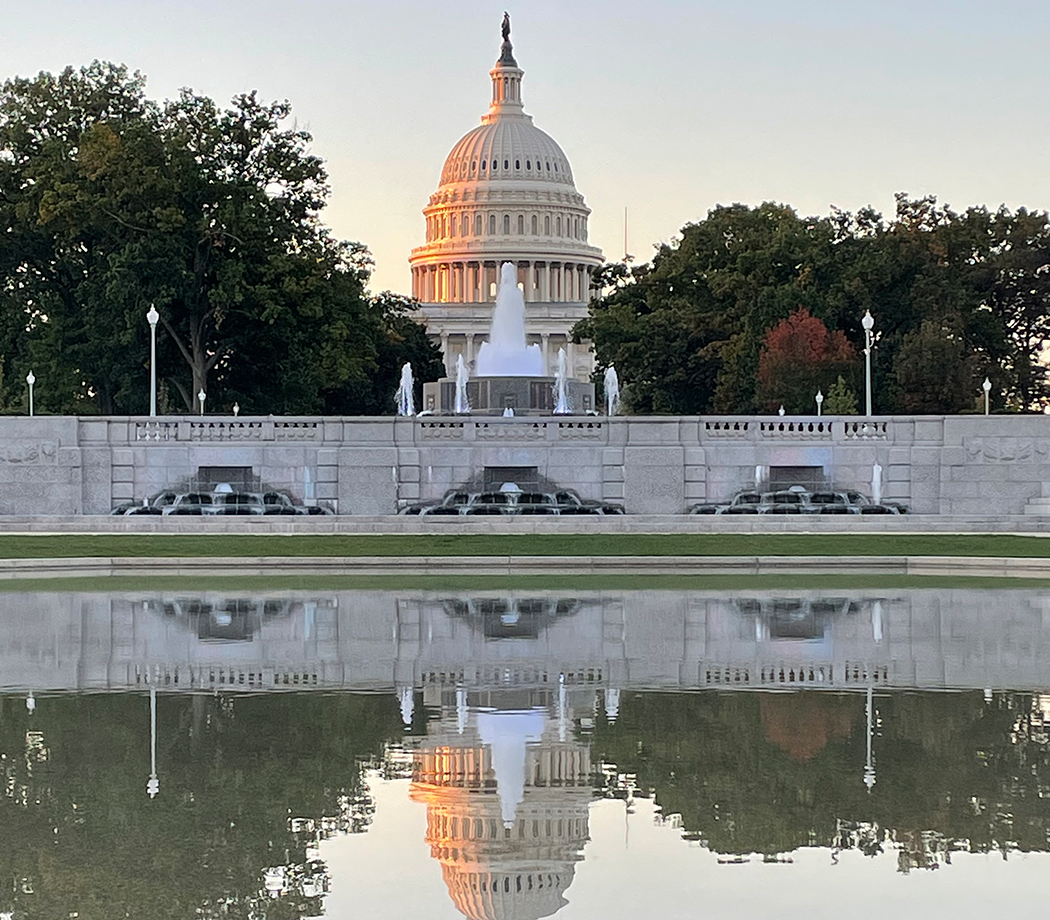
(114, 202)
(955, 295)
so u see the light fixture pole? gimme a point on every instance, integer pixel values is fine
(151, 317)
(153, 783)
(200, 398)
(820, 402)
(30, 380)
(236, 409)
(869, 764)
(868, 322)
(987, 387)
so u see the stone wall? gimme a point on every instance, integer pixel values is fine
(937, 464)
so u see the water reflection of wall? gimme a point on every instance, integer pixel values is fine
(622, 639)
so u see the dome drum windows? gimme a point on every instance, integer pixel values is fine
(506, 225)
(479, 222)
(492, 225)
(521, 225)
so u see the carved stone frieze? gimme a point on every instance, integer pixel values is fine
(1007, 450)
(28, 452)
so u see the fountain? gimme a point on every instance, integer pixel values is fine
(405, 403)
(561, 399)
(462, 402)
(506, 353)
(509, 373)
(612, 391)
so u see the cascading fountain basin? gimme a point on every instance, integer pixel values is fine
(508, 372)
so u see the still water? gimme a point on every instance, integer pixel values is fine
(524, 754)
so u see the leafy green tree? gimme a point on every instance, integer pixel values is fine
(840, 399)
(115, 202)
(686, 331)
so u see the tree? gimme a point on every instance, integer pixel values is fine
(840, 400)
(686, 331)
(213, 215)
(799, 356)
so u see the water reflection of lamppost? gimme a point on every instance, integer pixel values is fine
(869, 766)
(153, 785)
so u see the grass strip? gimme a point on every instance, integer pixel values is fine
(65, 546)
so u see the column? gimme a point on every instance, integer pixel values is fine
(545, 347)
(570, 355)
(545, 281)
(444, 350)
(469, 356)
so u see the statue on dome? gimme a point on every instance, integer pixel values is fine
(506, 50)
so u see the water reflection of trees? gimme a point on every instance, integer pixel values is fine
(247, 788)
(769, 773)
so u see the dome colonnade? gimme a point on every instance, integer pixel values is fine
(506, 195)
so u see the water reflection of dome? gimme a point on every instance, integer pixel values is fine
(497, 869)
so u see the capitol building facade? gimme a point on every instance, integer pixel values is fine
(506, 194)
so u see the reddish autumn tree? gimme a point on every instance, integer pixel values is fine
(799, 356)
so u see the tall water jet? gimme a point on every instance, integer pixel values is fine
(506, 353)
(561, 397)
(612, 391)
(462, 406)
(406, 404)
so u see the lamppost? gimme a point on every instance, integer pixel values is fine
(987, 387)
(200, 399)
(236, 409)
(151, 317)
(820, 402)
(30, 380)
(868, 323)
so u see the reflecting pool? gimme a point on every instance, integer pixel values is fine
(524, 754)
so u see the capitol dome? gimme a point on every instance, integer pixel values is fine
(506, 194)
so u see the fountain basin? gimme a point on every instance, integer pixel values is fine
(526, 395)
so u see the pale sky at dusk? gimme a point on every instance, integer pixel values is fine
(668, 108)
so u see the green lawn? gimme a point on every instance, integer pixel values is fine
(445, 544)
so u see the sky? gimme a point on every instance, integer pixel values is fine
(667, 108)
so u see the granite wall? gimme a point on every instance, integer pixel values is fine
(937, 464)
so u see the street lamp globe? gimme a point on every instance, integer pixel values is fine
(152, 316)
(820, 401)
(868, 322)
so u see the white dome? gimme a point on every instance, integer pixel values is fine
(511, 148)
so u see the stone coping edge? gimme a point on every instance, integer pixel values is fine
(279, 525)
(263, 566)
